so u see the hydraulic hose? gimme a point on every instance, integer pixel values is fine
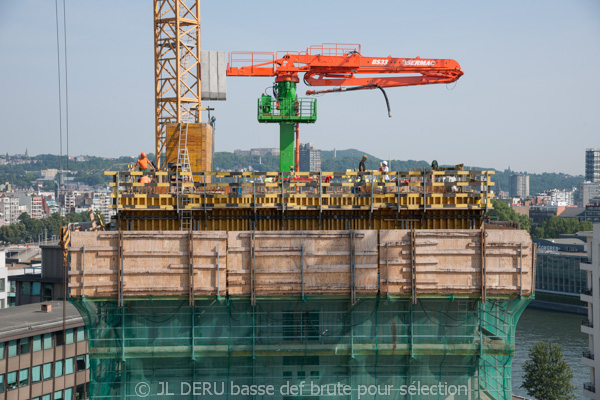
(362, 87)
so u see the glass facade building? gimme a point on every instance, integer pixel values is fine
(560, 273)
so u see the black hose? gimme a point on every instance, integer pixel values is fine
(374, 86)
(387, 102)
(361, 87)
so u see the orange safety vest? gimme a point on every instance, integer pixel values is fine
(143, 162)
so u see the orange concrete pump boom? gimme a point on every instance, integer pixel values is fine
(339, 66)
(343, 66)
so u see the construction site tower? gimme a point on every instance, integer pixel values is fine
(177, 66)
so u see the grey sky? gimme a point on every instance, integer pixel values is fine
(529, 97)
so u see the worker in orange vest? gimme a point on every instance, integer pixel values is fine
(143, 162)
(145, 179)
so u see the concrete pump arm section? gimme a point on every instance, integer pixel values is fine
(340, 64)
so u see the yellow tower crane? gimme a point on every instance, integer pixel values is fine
(181, 138)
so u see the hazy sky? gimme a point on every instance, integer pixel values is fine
(529, 99)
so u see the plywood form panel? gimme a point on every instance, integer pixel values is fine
(154, 263)
(199, 145)
(289, 263)
(285, 263)
(450, 262)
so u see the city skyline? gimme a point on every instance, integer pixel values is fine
(512, 108)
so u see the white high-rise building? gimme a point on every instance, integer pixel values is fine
(101, 204)
(591, 325)
(562, 197)
(9, 208)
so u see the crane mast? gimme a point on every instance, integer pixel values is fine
(177, 68)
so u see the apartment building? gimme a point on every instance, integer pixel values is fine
(592, 165)
(562, 197)
(9, 208)
(4, 285)
(559, 279)
(588, 191)
(35, 285)
(101, 204)
(40, 361)
(33, 204)
(519, 185)
(309, 158)
(591, 325)
(592, 212)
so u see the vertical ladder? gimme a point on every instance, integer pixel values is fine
(185, 214)
(185, 179)
(183, 160)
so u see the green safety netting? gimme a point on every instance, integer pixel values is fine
(302, 349)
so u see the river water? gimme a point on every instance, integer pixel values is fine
(548, 326)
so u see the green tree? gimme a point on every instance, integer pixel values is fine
(556, 226)
(503, 212)
(28, 227)
(547, 374)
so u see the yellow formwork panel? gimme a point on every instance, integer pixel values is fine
(327, 200)
(227, 219)
(409, 201)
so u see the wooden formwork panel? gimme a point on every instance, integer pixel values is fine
(199, 146)
(456, 262)
(291, 263)
(151, 263)
(302, 262)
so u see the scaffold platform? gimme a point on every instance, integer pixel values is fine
(447, 199)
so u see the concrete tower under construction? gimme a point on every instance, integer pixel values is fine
(302, 288)
(287, 284)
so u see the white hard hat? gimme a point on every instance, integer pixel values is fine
(385, 163)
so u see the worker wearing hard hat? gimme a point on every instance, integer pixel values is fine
(361, 168)
(384, 168)
(361, 164)
(143, 162)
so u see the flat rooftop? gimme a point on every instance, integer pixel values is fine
(29, 320)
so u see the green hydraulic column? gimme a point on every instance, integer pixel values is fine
(286, 96)
(285, 109)
(286, 146)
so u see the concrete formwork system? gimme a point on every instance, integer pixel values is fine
(301, 263)
(375, 284)
(448, 199)
(360, 308)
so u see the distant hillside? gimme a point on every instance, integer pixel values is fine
(539, 183)
(349, 159)
(229, 161)
(92, 171)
